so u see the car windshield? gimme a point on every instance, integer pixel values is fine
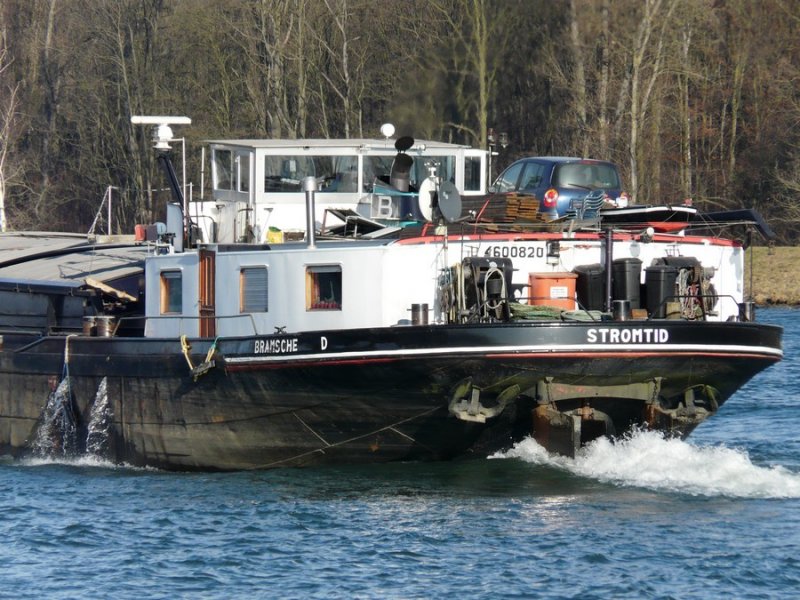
(591, 176)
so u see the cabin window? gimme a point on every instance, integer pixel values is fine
(324, 287)
(223, 175)
(472, 173)
(171, 292)
(285, 174)
(445, 167)
(231, 170)
(253, 289)
(244, 171)
(378, 169)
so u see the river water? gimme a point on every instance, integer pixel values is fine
(717, 516)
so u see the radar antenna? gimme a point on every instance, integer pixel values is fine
(162, 137)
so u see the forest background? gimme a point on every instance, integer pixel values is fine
(692, 98)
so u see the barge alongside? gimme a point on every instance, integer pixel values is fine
(341, 303)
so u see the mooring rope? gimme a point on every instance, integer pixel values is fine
(65, 370)
(186, 347)
(328, 446)
(203, 367)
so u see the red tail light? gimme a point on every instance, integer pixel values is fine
(551, 198)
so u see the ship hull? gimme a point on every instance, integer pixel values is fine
(377, 395)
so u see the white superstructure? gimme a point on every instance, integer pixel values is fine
(257, 184)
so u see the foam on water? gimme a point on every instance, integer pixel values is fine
(82, 460)
(57, 430)
(99, 427)
(648, 459)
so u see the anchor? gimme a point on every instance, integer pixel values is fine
(205, 366)
(471, 409)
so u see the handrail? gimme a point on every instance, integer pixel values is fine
(27, 347)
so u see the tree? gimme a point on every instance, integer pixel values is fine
(8, 110)
(694, 98)
(459, 48)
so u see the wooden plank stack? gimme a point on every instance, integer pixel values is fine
(510, 208)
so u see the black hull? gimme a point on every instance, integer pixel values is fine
(377, 395)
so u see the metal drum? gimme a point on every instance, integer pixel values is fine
(105, 326)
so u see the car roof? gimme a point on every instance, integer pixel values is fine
(567, 159)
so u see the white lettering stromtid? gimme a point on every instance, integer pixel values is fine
(636, 335)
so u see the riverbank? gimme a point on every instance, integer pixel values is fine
(775, 275)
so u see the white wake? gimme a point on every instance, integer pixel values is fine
(647, 459)
(81, 460)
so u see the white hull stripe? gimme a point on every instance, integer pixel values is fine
(490, 350)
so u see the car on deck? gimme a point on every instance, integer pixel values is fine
(559, 183)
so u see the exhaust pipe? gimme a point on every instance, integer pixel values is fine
(310, 187)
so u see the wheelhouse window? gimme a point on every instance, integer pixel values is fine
(377, 170)
(472, 173)
(253, 289)
(223, 170)
(231, 170)
(243, 161)
(324, 287)
(442, 166)
(171, 292)
(285, 174)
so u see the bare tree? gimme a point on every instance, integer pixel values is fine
(694, 98)
(125, 39)
(579, 79)
(8, 109)
(647, 62)
(461, 46)
(343, 36)
(266, 34)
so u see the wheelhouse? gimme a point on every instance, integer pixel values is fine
(257, 184)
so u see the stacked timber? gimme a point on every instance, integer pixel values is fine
(506, 209)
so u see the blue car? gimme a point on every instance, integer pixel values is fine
(557, 182)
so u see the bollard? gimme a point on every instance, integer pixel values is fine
(419, 314)
(621, 310)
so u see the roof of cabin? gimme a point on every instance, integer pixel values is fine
(64, 258)
(312, 143)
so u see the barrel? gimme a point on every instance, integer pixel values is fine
(89, 326)
(105, 326)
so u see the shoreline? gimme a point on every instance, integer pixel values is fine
(772, 275)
